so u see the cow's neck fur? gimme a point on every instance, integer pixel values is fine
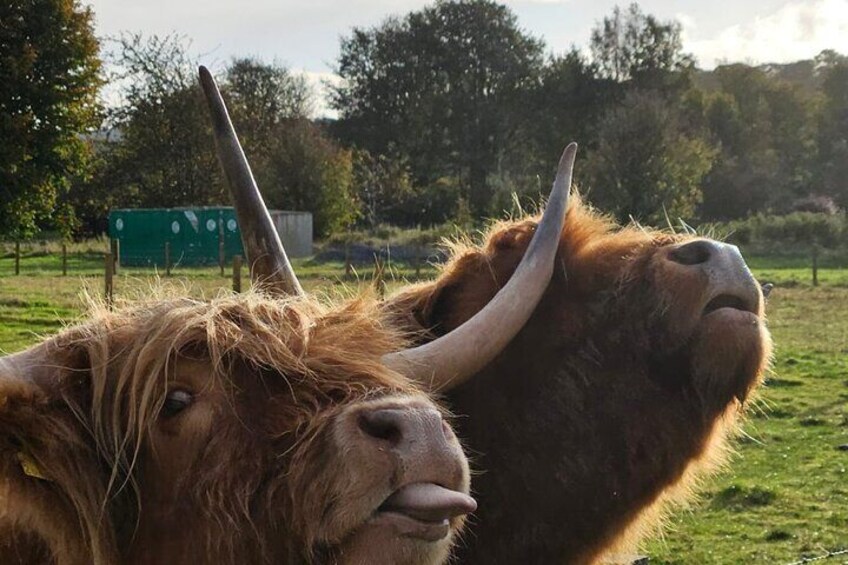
(547, 495)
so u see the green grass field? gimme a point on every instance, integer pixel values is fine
(784, 498)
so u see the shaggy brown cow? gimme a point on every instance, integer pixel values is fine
(620, 390)
(256, 428)
(242, 430)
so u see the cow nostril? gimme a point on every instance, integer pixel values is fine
(693, 253)
(384, 425)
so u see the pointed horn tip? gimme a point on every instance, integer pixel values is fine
(207, 81)
(215, 102)
(568, 154)
(565, 167)
(205, 76)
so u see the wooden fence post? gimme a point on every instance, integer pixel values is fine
(116, 253)
(167, 259)
(17, 257)
(64, 259)
(348, 266)
(815, 265)
(379, 279)
(221, 251)
(109, 290)
(236, 273)
(418, 247)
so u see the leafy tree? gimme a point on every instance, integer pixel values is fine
(161, 151)
(297, 165)
(49, 79)
(646, 166)
(308, 171)
(387, 194)
(91, 196)
(261, 97)
(444, 87)
(633, 46)
(568, 104)
(383, 187)
(268, 91)
(764, 129)
(165, 155)
(832, 142)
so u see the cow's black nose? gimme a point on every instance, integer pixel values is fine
(695, 252)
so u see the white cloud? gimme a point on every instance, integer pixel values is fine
(798, 30)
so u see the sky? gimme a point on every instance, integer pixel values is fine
(305, 34)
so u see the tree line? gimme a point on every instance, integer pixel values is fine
(450, 113)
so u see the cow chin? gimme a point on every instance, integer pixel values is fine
(730, 351)
(377, 542)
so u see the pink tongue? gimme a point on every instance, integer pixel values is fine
(429, 502)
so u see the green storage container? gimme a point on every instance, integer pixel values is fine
(193, 233)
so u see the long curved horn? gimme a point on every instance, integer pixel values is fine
(269, 265)
(453, 358)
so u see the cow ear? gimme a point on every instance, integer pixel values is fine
(20, 403)
(466, 285)
(44, 451)
(40, 404)
(468, 282)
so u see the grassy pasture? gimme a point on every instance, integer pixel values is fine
(40, 300)
(784, 498)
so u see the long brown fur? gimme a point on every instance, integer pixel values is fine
(286, 368)
(593, 420)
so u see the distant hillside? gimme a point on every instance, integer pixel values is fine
(805, 74)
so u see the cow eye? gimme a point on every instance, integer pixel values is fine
(176, 402)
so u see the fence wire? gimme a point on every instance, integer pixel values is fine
(828, 555)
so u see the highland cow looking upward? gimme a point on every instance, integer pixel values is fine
(622, 387)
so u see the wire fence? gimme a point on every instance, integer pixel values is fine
(828, 555)
(86, 258)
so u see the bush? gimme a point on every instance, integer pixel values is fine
(384, 235)
(794, 230)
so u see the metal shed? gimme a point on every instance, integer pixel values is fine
(194, 234)
(295, 229)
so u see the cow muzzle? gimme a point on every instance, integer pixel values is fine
(731, 289)
(429, 472)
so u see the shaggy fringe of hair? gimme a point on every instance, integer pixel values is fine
(584, 231)
(130, 352)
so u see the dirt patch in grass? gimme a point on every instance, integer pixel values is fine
(737, 497)
(782, 383)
